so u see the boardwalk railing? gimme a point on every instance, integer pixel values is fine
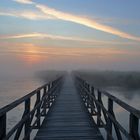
(92, 98)
(31, 118)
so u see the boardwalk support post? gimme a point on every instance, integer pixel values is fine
(109, 122)
(45, 102)
(49, 88)
(99, 110)
(93, 108)
(133, 127)
(2, 126)
(38, 109)
(27, 123)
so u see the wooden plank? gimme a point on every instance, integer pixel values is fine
(68, 119)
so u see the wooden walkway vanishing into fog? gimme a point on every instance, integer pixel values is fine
(69, 108)
(68, 119)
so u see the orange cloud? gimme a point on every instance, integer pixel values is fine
(27, 48)
(66, 38)
(32, 54)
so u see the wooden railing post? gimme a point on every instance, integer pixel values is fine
(109, 122)
(83, 90)
(99, 109)
(2, 126)
(88, 97)
(27, 122)
(38, 109)
(82, 86)
(133, 127)
(49, 88)
(52, 94)
(92, 102)
(45, 102)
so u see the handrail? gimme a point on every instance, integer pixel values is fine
(97, 108)
(44, 101)
(126, 106)
(22, 99)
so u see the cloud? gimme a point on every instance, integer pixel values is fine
(32, 49)
(52, 37)
(24, 1)
(31, 15)
(86, 22)
(55, 14)
(83, 41)
(120, 21)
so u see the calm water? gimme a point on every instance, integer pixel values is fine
(13, 88)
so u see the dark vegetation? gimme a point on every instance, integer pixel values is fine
(129, 80)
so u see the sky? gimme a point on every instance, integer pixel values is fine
(69, 35)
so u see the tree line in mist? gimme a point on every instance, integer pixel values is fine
(129, 80)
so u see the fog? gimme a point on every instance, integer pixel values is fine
(21, 73)
(33, 66)
(124, 79)
(28, 59)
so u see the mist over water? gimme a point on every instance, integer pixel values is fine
(20, 74)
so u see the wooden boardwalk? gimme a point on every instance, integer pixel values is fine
(68, 118)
